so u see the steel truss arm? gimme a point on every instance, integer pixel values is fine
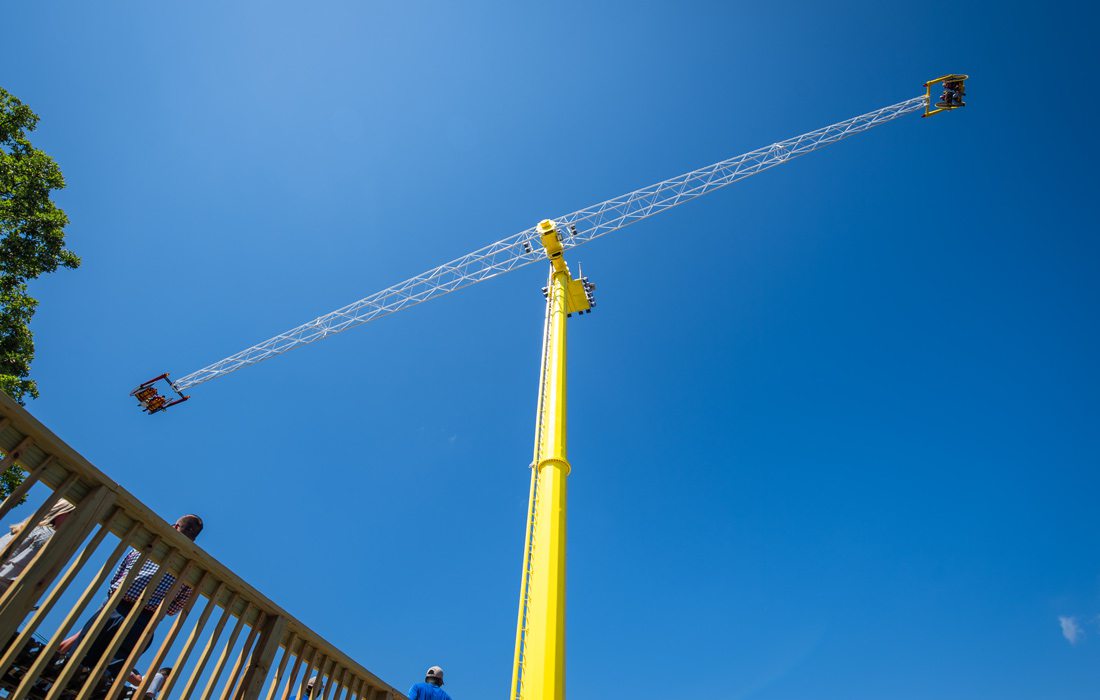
(524, 247)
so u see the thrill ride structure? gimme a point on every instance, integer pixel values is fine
(539, 662)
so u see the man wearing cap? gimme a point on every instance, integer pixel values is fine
(314, 689)
(430, 689)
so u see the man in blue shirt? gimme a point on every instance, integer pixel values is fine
(430, 689)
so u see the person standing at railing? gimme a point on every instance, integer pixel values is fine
(431, 688)
(18, 559)
(189, 526)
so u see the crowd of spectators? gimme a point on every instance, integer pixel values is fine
(18, 548)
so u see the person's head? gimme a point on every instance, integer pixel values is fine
(314, 688)
(58, 514)
(189, 526)
(54, 517)
(434, 675)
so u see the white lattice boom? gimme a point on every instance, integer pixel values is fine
(524, 247)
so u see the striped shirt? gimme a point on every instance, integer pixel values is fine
(144, 576)
(19, 558)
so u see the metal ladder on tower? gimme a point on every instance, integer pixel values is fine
(532, 519)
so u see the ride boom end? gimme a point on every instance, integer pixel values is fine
(151, 400)
(954, 89)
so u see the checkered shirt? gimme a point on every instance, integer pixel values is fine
(144, 576)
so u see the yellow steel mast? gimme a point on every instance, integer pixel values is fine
(538, 670)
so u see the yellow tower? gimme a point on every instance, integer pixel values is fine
(538, 670)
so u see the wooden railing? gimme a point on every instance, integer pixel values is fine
(265, 653)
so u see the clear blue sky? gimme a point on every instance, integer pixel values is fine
(834, 430)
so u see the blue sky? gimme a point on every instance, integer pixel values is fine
(833, 430)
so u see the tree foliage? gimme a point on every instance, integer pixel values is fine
(32, 242)
(32, 239)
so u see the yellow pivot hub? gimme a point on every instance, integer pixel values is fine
(578, 292)
(538, 671)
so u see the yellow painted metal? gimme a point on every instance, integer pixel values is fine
(538, 671)
(576, 297)
(949, 76)
(551, 241)
(928, 111)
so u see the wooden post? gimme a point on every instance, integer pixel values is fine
(284, 659)
(230, 689)
(263, 654)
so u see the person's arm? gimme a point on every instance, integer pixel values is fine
(68, 643)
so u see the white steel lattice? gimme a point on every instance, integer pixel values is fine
(524, 248)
